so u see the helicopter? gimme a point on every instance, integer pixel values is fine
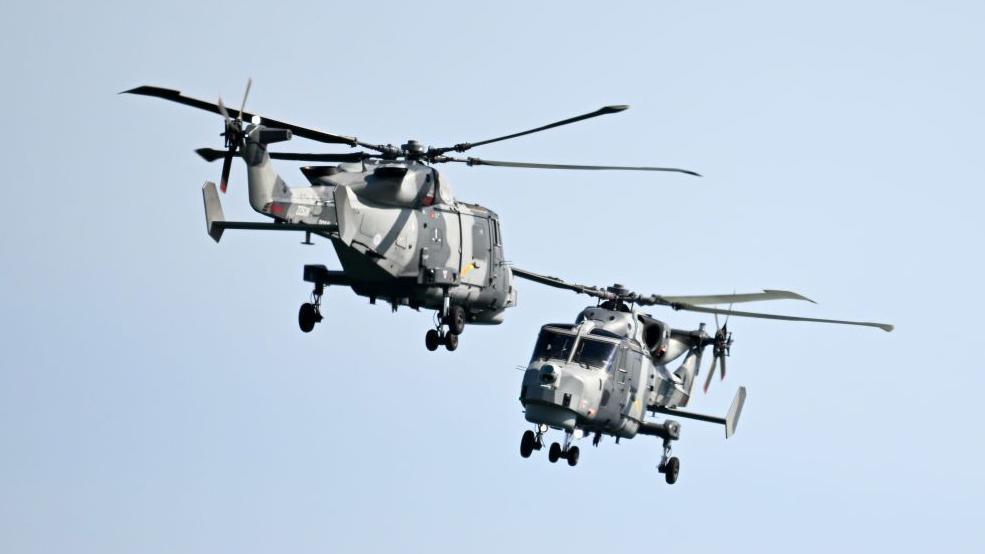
(396, 227)
(603, 373)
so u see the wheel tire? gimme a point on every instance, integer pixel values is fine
(573, 453)
(432, 340)
(671, 470)
(527, 443)
(451, 341)
(307, 317)
(456, 320)
(554, 454)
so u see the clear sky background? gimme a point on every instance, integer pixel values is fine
(156, 395)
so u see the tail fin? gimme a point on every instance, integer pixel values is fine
(264, 183)
(734, 411)
(213, 210)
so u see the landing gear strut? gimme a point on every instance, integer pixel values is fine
(310, 312)
(534, 441)
(454, 318)
(670, 466)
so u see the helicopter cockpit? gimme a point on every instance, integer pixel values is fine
(587, 351)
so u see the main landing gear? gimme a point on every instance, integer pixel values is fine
(452, 317)
(310, 312)
(670, 466)
(535, 441)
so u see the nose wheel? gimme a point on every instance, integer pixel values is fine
(529, 442)
(535, 441)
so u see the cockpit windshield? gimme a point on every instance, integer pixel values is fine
(594, 353)
(552, 345)
(589, 352)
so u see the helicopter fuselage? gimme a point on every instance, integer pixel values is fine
(603, 373)
(402, 237)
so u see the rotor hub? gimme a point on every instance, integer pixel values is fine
(618, 290)
(413, 149)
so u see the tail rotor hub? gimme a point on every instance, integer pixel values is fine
(233, 134)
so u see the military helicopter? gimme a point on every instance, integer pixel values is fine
(602, 374)
(399, 233)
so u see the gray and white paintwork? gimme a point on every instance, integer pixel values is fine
(614, 396)
(603, 374)
(399, 233)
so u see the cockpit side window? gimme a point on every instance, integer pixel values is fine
(553, 346)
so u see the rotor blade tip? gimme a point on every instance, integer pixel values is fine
(615, 108)
(136, 90)
(208, 154)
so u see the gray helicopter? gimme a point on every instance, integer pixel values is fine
(602, 374)
(399, 233)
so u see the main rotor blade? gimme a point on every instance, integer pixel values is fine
(690, 308)
(463, 146)
(529, 165)
(559, 283)
(767, 294)
(657, 300)
(320, 136)
(211, 155)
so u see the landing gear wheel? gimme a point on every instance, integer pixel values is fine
(572, 456)
(451, 341)
(527, 443)
(432, 340)
(307, 317)
(671, 470)
(455, 320)
(554, 454)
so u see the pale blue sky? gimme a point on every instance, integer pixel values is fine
(156, 395)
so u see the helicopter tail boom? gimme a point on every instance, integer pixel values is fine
(215, 221)
(730, 421)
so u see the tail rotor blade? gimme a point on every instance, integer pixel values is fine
(711, 372)
(227, 163)
(723, 366)
(249, 83)
(222, 110)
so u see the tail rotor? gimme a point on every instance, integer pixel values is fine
(721, 347)
(233, 134)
